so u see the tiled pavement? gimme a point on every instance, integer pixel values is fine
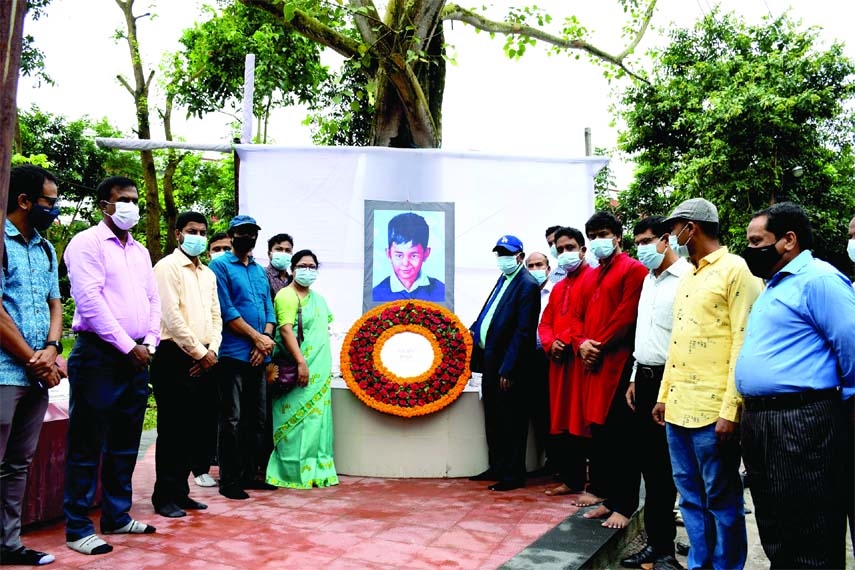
(363, 523)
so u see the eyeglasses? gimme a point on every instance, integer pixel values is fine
(51, 201)
(309, 267)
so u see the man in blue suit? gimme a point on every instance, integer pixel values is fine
(505, 334)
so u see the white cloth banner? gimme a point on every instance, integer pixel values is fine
(317, 195)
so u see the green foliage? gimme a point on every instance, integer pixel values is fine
(206, 186)
(729, 111)
(342, 111)
(209, 72)
(32, 58)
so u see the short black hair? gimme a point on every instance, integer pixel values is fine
(103, 191)
(279, 238)
(295, 259)
(27, 179)
(185, 218)
(786, 217)
(653, 223)
(604, 220)
(217, 237)
(571, 233)
(409, 227)
(551, 230)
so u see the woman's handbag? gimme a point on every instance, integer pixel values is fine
(282, 371)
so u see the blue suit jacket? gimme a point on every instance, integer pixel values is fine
(510, 345)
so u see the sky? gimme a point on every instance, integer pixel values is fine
(537, 105)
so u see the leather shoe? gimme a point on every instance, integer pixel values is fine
(259, 486)
(667, 562)
(191, 505)
(682, 548)
(507, 485)
(233, 492)
(488, 475)
(643, 556)
(170, 510)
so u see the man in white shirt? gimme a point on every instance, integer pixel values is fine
(538, 392)
(652, 337)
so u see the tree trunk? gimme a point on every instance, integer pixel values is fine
(12, 23)
(140, 94)
(173, 159)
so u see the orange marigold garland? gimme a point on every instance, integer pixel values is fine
(381, 389)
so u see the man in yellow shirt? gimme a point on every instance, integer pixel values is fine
(698, 402)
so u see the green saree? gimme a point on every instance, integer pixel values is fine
(302, 456)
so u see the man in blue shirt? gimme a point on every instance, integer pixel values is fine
(30, 328)
(248, 324)
(796, 366)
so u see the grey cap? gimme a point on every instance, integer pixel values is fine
(696, 210)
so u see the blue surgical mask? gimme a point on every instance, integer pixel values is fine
(281, 260)
(507, 263)
(680, 249)
(305, 277)
(553, 252)
(602, 247)
(193, 245)
(569, 261)
(649, 256)
(217, 254)
(539, 275)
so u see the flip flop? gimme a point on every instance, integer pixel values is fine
(583, 502)
(560, 490)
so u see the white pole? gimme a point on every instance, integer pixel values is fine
(248, 90)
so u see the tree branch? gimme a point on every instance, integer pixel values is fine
(454, 12)
(127, 85)
(645, 22)
(364, 12)
(413, 100)
(310, 27)
(148, 81)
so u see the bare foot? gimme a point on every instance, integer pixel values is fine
(561, 489)
(587, 500)
(617, 520)
(598, 513)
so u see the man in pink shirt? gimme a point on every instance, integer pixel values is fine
(117, 321)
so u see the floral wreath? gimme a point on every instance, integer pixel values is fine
(380, 388)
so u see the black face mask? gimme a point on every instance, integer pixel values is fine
(42, 217)
(761, 260)
(243, 244)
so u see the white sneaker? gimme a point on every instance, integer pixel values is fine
(205, 480)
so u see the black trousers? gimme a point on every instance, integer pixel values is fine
(655, 463)
(181, 421)
(505, 426)
(615, 474)
(795, 460)
(243, 411)
(571, 454)
(537, 405)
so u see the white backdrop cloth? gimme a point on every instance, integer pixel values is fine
(317, 195)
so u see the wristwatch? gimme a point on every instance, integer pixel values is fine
(150, 348)
(56, 344)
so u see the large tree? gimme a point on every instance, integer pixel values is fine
(731, 113)
(402, 53)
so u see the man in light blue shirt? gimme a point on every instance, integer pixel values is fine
(796, 366)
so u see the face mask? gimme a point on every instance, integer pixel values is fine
(217, 254)
(649, 256)
(850, 249)
(193, 245)
(281, 260)
(569, 261)
(507, 263)
(553, 252)
(761, 260)
(681, 250)
(305, 277)
(126, 216)
(539, 275)
(602, 247)
(243, 243)
(42, 216)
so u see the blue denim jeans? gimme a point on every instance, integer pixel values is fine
(107, 405)
(706, 473)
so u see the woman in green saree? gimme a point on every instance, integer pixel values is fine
(302, 456)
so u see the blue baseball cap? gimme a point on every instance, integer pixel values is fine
(243, 220)
(510, 243)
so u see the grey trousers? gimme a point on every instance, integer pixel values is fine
(22, 411)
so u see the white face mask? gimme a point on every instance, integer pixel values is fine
(569, 261)
(126, 216)
(850, 249)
